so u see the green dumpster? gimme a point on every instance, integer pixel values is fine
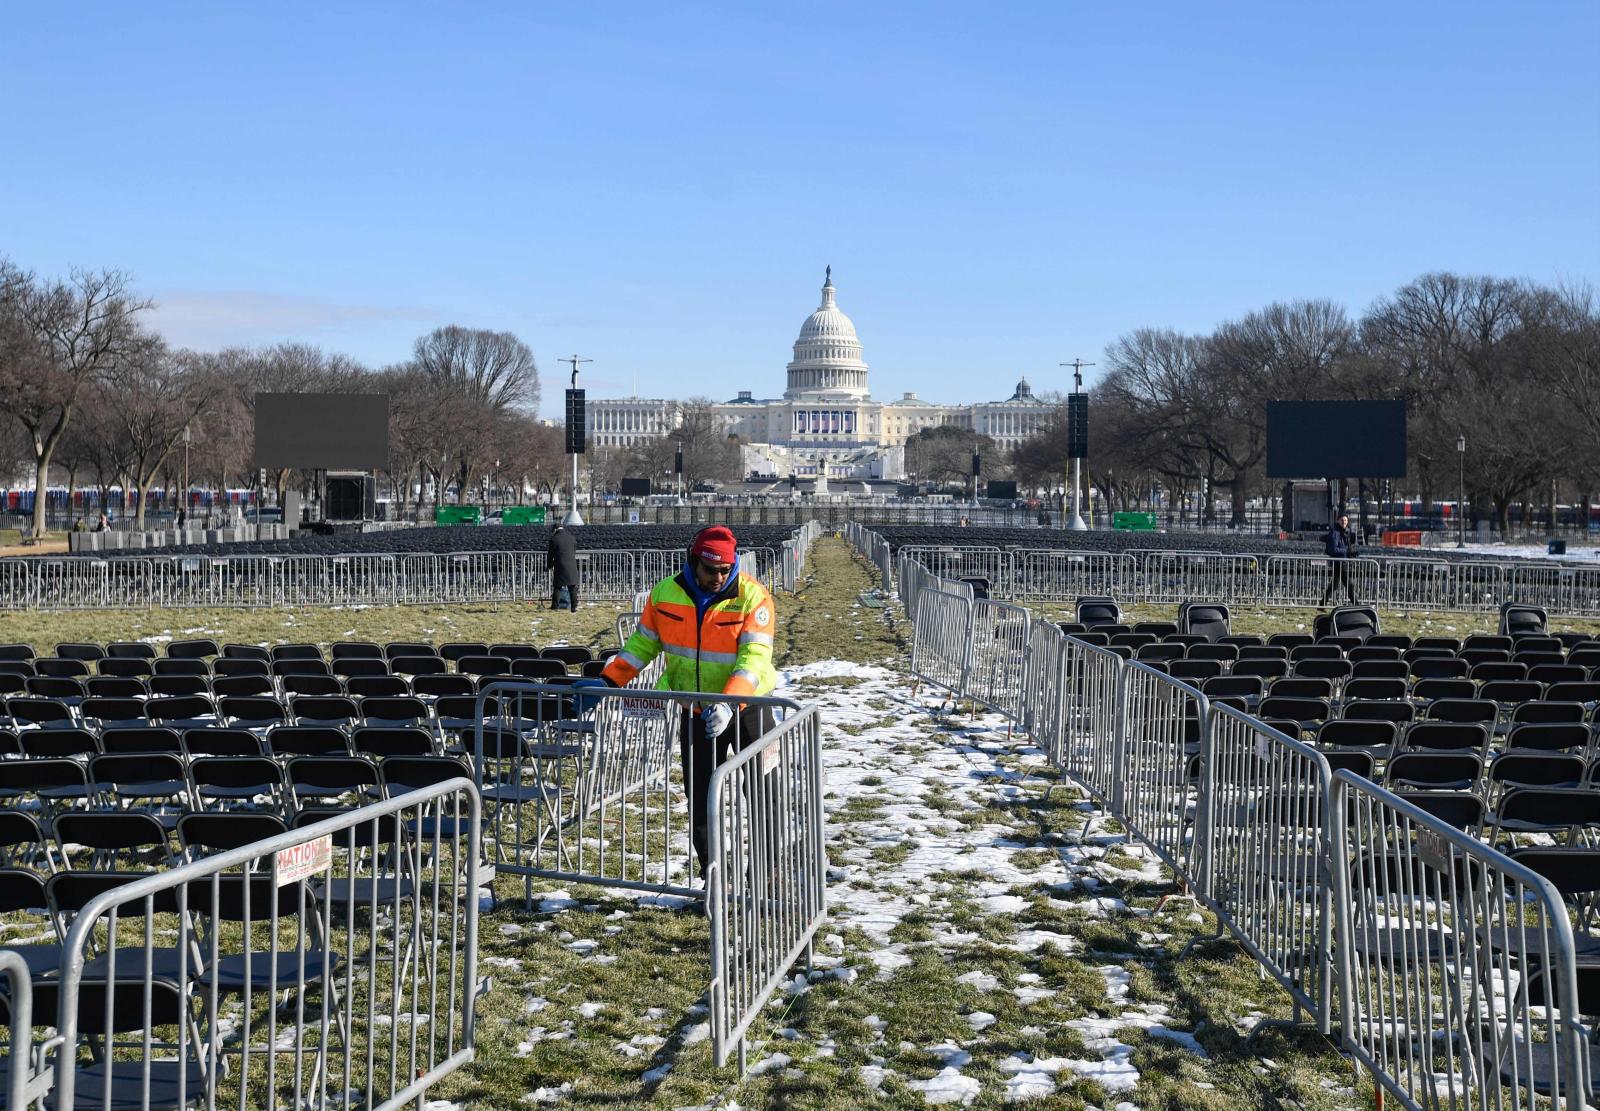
(458, 515)
(1134, 522)
(522, 515)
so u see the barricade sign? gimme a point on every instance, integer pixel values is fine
(309, 858)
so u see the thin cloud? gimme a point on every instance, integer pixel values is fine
(216, 318)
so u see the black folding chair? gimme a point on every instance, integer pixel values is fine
(1448, 736)
(181, 666)
(405, 711)
(514, 651)
(288, 741)
(356, 650)
(252, 712)
(381, 742)
(1379, 709)
(116, 840)
(1437, 771)
(141, 739)
(229, 782)
(80, 652)
(1469, 710)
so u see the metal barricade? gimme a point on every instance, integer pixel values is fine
(422, 579)
(626, 623)
(1306, 580)
(1458, 985)
(1174, 576)
(602, 573)
(765, 565)
(361, 580)
(1063, 574)
(66, 584)
(1581, 593)
(1546, 585)
(1482, 586)
(1044, 685)
(655, 564)
(1088, 746)
(765, 872)
(1417, 584)
(1156, 792)
(997, 659)
(584, 787)
(978, 561)
(336, 959)
(1264, 821)
(23, 1083)
(16, 584)
(941, 638)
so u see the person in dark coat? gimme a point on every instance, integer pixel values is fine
(563, 559)
(1340, 547)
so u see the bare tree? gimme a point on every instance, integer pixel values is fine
(708, 452)
(943, 454)
(1461, 351)
(57, 337)
(154, 397)
(473, 375)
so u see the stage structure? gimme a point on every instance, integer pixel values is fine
(343, 437)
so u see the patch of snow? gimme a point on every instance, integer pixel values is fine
(949, 1086)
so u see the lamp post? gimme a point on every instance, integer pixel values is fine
(186, 437)
(1461, 491)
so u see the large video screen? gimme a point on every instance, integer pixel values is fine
(1336, 439)
(322, 431)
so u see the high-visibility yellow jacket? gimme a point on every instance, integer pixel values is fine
(715, 644)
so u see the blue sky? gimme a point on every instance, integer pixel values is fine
(657, 187)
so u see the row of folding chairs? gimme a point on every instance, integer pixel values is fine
(340, 650)
(1207, 660)
(1503, 700)
(263, 726)
(555, 661)
(258, 702)
(71, 691)
(117, 808)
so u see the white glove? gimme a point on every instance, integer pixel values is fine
(718, 717)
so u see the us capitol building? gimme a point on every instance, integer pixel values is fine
(826, 424)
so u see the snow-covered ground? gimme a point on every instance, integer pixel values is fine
(1575, 554)
(886, 759)
(928, 856)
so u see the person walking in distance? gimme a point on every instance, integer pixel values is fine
(1340, 547)
(715, 623)
(562, 555)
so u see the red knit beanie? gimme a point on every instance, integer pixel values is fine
(715, 543)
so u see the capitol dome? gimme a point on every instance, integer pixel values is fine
(827, 355)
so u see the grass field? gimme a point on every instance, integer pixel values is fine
(989, 938)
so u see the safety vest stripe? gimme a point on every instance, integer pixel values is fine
(756, 638)
(631, 660)
(706, 656)
(647, 632)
